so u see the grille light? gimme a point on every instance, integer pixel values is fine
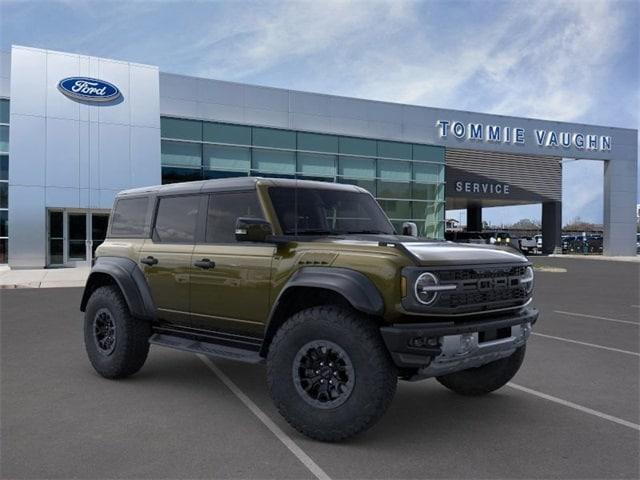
(527, 280)
(427, 287)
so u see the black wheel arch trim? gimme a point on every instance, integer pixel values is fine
(354, 286)
(127, 275)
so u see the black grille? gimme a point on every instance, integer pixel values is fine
(479, 273)
(482, 288)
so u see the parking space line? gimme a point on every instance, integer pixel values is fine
(575, 406)
(264, 418)
(596, 317)
(586, 344)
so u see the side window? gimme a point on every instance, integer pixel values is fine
(129, 217)
(176, 219)
(224, 210)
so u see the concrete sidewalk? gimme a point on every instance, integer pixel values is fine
(44, 278)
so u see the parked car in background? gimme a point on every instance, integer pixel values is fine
(489, 237)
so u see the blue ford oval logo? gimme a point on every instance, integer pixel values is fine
(89, 89)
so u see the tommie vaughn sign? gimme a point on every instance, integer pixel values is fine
(88, 89)
(478, 132)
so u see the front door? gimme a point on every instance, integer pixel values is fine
(232, 290)
(165, 259)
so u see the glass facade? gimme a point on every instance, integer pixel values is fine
(4, 180)
(407, 179)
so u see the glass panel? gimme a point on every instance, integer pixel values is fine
(394, 189)
(224, 133)
(176, 219)
(77, 236)
(4, 167)
(428, 153)
(224, 211)
(99, 224)
(181, 154)
(227, 158)
(176, 175)
(394, 150)
(4, 250)
(271, 175)
(432, 212)
(428, 173)
(274, 161)
(4, 111)
(4, 139)
(271, 137)
(129, 217)
(369, 185)
(209, 174)
(4, 195)
(358, 146)
(55, 225)
(315, 164)
(358, 167)
(396, 171)
(425, 191)
(4, 223)
(396, 209)
(178, 128)
(56, 252)
(317, 143)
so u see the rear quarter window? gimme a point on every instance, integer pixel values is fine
(129, 217)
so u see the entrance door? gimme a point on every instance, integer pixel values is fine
(73, 236)
(56, 238)
(77, 237)
(231, 290)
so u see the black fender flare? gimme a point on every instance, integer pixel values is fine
(354, 286)
(127, 275)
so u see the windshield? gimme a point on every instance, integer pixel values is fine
(309, 211)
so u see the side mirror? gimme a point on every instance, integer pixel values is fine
(252, 230)
(410, 229)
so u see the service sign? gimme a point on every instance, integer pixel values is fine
(88, 89)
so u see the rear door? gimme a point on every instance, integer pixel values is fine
(230, 281)
(165, 259)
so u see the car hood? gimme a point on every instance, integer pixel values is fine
(434, 252)
(448, 253)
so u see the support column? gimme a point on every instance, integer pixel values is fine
(551, 227)
(620, 198)
(474, 218)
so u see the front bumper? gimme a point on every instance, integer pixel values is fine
(438, 348)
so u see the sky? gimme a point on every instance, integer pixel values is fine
(558, 60)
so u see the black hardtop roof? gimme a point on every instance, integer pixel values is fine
(235, 183)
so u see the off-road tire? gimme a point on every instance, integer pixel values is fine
(375, 375)
(131, 335)
(484, 379)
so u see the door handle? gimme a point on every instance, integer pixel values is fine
(205, 263)
(149, 261)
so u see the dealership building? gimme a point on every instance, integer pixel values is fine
(75, 130)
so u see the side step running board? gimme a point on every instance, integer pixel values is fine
(206, 348)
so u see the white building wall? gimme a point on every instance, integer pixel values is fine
(70, 154)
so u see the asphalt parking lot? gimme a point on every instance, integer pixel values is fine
(571, 412)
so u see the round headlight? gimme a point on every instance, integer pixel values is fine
(424, 288)
(527, 280)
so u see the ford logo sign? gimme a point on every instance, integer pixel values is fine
(89, 89)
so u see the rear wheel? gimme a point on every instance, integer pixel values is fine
(117, 343)
(329, 373)
(486, 378)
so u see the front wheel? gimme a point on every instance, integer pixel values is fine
(117, 343)
(329, 373)
(486, 378)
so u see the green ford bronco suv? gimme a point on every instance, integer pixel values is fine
(312, 279)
